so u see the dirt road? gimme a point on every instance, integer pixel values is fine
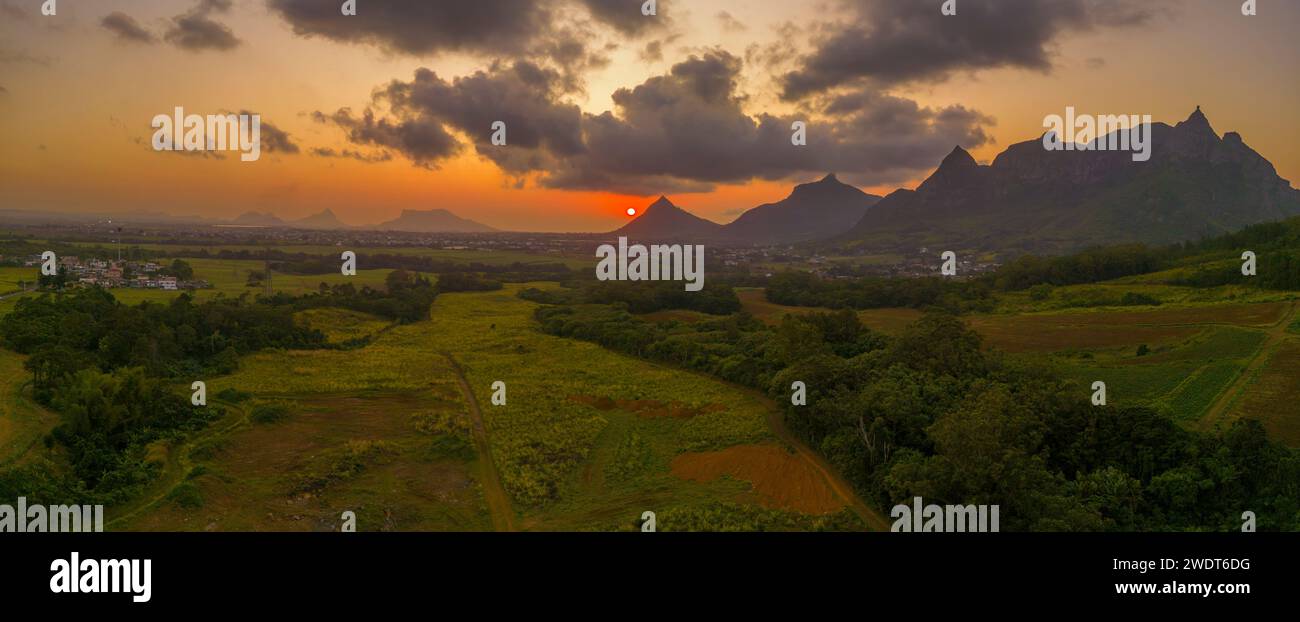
(498, 502)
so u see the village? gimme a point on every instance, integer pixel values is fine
(110, 274)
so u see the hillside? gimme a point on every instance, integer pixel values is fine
(1196, 184)
(813, 211)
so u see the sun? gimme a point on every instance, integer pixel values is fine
(631, 211)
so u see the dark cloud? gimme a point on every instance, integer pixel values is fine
(196, 31)
(326, 152)
(889, 42)
(522, 95)
(126, 28)
(421, 139)
(683, 131)
(422, 27)
(625, 15)
(274, 139)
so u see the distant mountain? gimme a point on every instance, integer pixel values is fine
(258, 219)
(815, 210)
(432, 221)
(664, 222)
(322, 220)
(1195, 184)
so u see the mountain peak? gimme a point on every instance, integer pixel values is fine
(661, 202)
(829, 179)
(1196, 121)
(958, 158)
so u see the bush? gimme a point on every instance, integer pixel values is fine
(269, 412)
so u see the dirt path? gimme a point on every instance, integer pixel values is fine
(498, 502)
(178, 466)
(1273, 336)
(873, 519)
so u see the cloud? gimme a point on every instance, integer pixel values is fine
(684, 131)
(126, 28)
(274, 139)
(422, 140)
(3, 90)
(625, 16)
(21, 58)
(326, 152)
(421, 27)
(12, 12)
(887, 42)
(730, 23)
(195, 31)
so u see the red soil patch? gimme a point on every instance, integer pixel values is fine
(780, 479)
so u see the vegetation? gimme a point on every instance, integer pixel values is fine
(930, 413)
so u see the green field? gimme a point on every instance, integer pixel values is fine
(9, 278)
(22, 421)
(586, 440)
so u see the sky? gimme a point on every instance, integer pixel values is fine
(605, 108)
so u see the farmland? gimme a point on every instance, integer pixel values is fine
(587, 438)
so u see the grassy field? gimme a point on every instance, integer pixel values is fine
(22, 421)
(9, 278)
(1272, 395)
(587, 439)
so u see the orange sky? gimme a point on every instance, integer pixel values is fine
(76, 104)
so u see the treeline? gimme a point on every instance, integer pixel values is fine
(640, 296)
(930, 413)
(803, 289)
(406, 297)
(305, 263)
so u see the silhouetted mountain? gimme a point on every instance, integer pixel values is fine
(432, 221)
(1194, 185)
(322, 220)
(813, 211)
(665, 222)
(258, 219)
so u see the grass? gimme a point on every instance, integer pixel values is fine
(585, 440)
(1272, 394)
(22, 422)
(9, 278)
(1182, 379)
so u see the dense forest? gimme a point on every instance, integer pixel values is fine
(930, 413)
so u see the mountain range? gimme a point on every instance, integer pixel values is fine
(812, 211)
(416, 221)
(1195, 184)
